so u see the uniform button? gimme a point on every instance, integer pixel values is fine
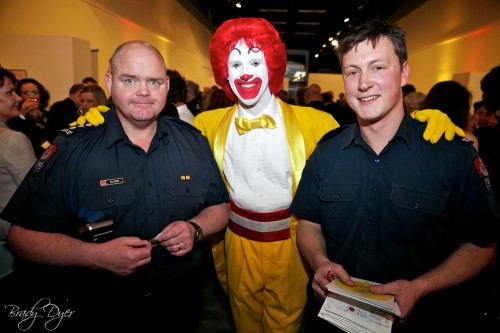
(373, 189)
(111, 200)
(187, 190)
(377, 160)
(370, 220)
(153, 212)
(336, 196)
(416, 205)
(150, 184)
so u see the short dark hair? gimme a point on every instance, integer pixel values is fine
(178, 88)
(327, 97)
(373, 31)
(76, 88)
(490, 85)
(477, 105)
(408, 88)
(4, 73)
(193, 86)
(89, 79)
(44, 93)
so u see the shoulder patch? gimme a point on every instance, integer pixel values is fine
(46, 156)
(333, 133)
(482, 172)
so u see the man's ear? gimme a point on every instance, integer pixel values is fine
(167, 83)
(108, 80)
(405, 73)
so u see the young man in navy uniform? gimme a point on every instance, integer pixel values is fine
(154, 177)
(377, 202)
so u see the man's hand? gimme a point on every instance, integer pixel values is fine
(406, 294)
(437, 124)
(92, 116)
(325, 273)
(123, 255)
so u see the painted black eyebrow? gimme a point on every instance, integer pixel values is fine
(237, 49)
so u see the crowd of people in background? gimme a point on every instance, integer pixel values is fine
(42, 122)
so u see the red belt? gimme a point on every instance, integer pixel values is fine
(261, 227)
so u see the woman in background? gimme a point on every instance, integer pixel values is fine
(413, 100)
(91, 95)
(216, 99)
(16, 159)
(452, 98)
(32, 120)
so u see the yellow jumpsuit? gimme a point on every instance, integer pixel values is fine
(266, 281)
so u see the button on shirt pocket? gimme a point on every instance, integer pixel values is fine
(416, 200)
(338, 201)
(415, 209)
(107, 202)
(186, 199)
(109, 197)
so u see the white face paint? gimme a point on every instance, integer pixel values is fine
(247, 73)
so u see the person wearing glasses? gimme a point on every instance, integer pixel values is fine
(33, 114)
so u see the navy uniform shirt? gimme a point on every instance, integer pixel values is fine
(95, 173)
(398, 214)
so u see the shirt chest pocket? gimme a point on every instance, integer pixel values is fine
(338, 202)
(184, 189)
(338, 193)
(417, 200)
(185, 198)
(110, 197)
(415, 211)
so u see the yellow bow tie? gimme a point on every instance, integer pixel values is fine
(244, 125)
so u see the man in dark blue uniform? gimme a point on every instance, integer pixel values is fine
(154, 177)
(377, 202)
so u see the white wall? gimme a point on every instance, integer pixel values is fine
(328, 82)
(55, 61)
(181, 38)
(451, 37)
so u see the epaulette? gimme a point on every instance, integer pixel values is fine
(466, 141)
(77, 129)
(182, 122)
(333, 133)
(94, 117)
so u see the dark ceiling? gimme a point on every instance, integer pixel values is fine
(306, 25)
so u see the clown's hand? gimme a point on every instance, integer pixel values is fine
(437, 124)
(93, 116)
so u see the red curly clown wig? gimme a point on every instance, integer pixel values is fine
(255, 32)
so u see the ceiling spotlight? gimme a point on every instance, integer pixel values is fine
(238, 4)
(346, 20)
(316, 55)
(335, 43)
